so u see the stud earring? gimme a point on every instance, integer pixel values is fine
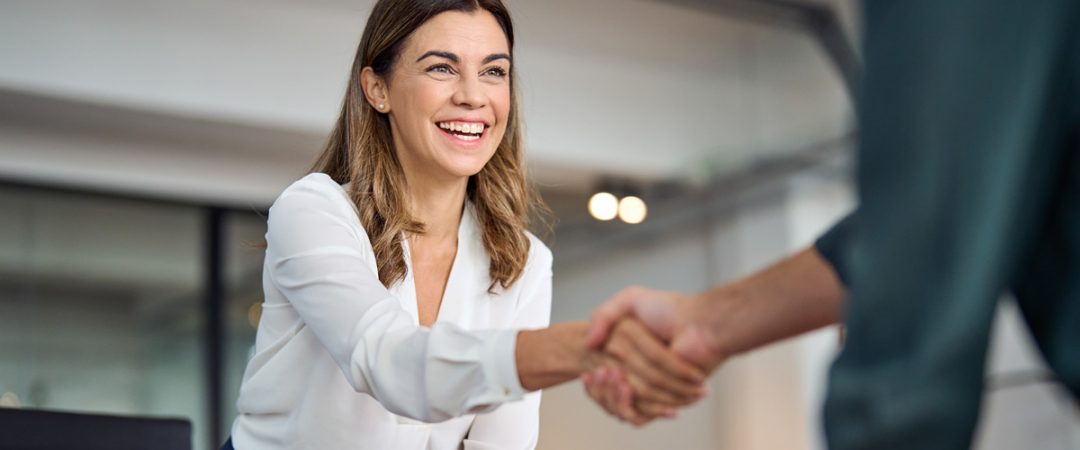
(381, 106)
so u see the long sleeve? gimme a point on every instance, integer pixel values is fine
(319, 260)
(516, 426)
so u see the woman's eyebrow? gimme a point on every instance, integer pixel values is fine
(495, 56)
(456, 59)
(441, 54)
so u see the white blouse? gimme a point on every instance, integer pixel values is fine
(341, 362)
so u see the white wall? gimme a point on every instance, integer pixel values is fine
(637, 88)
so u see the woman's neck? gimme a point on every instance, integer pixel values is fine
(437, 204)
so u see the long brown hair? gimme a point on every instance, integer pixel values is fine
(361, 152)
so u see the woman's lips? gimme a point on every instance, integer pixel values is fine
(464, 134)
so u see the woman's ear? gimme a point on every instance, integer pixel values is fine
(375, 91)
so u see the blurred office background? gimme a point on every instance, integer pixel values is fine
(142, 141)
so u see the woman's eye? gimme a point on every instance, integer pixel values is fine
(440, 68)
(497, 72)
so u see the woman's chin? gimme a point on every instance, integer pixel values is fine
(465, 169)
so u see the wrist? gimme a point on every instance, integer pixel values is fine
(552, 355)
(719, 310)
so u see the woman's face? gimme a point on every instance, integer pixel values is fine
(448, 95)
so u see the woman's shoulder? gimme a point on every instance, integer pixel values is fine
(317, 181)
(313, 211)
(314, 190)
(316, 198)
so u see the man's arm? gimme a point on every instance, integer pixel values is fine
(796, 295)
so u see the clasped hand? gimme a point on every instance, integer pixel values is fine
(636, 377)
(654, 360)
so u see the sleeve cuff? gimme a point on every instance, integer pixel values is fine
(500, 365)
(834, 246)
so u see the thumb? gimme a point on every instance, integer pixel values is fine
(659, 315)
(691, 344)
(604, 317)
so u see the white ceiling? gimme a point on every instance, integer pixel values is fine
(633, 88)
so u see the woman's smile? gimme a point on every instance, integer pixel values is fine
(467, 134)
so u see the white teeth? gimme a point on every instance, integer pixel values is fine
(473, 128)
(468, 131)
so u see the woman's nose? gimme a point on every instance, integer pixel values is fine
(470, 94)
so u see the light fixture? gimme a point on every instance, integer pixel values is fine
(603, 206)
(632, 209)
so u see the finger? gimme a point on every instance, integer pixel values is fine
(599, 390)
(659, 386)
(611, 396)
(606, 315)
(655, 409)
(646, 358)
(660, 356)
(626, 400)
(640, 385)
(626, 407)
(588, 384)
(594, 389)
(645, 391)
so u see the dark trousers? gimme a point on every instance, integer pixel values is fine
(227, 445)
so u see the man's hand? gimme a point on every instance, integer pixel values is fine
(638, 378)
(676, 319)
(672, 317)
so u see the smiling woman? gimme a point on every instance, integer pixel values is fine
(422, 83)
(401, 285)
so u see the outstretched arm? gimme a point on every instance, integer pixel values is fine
(796, 295)
(321, 266)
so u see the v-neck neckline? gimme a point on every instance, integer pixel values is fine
(448, 304)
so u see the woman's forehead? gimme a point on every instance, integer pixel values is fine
(472, 35)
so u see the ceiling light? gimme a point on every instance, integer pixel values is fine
(632, 209)
(603, 206)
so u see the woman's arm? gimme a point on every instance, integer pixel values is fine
(320, 265)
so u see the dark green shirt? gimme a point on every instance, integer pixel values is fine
(968, 175)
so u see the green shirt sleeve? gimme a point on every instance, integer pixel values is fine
(834, 243)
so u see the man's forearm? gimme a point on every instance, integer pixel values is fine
(796, 295)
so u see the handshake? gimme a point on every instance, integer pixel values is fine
(653, 352)
(646, 353)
